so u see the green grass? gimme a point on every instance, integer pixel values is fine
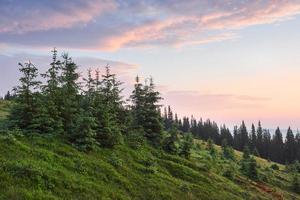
(45, 167)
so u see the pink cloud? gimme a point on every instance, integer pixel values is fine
(63, 15)
(186, 29)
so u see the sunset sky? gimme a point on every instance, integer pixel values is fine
(225, 60)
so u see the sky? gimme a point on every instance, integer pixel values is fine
(228, 60)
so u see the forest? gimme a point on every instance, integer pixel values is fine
(92, 114)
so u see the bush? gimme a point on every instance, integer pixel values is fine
(136, 139)
(274, 167)
(230, 172)
(115, 161)
(184, 187)
(296, 184)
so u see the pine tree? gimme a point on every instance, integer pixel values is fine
(138, 104)
(253, 138)
(146, 111)
(109, 110)
(249, 165)
(290, 150)
(25, 109)
(70, 93)
(228, 152)
(171, 143)
(83, 136)
(211, 148)
(50, 113)
(259, 139)
(187, 145)
(7, 96)
(243, 135)
(277, 147)
(266, 144)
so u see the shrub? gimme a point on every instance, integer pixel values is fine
(274, 167)
(136, 139)
(115, 161)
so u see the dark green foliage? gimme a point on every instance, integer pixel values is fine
(51, 99)
(26, 107)
(296, 183)
(171, 142)
(249, 165)
(135, 139)
(228, 152)
(70, 89)
(186, 145)
(83, 134)
(290, 147)
(145, 110)
(211, 148)
(230, 172)
(274, 167)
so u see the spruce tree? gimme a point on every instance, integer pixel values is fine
(253, 138)
(50, 112)
(83, 136)
(228, 152)
(187, 145)
(243, 133)
(109, 110)
(259, 138)
(290, 146)
(70, 93)
(277, 147)
(25, 109)
(171, 143)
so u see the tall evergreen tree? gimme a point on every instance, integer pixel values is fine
(50, 112)
(253, 138)
(109, 128)
(290, 150)
(243, 135)
(259, 138)
(70, 93)
(153, 122)
(25, 109)
(277, 147)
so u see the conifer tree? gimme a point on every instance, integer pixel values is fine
(110, 106)
(243, 135)
(25, 109)
(70, 90)
(277, 147)
(290, 151)
(253, 138)
(228, 152)
(138, 101)
(50, 112)
(83, 136)
(171, 143)
(187, 145)
(259, 138)
(153, 122)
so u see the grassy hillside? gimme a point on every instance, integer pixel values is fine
(45, 167)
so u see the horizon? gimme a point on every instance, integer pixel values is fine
(227, 62)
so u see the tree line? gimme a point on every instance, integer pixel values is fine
(92, 112)
(259, 140)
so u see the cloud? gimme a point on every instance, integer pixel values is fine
(29, 16)
(111, 25)
(9, 67)
(194, 101)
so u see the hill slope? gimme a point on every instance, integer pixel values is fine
(46, 167)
